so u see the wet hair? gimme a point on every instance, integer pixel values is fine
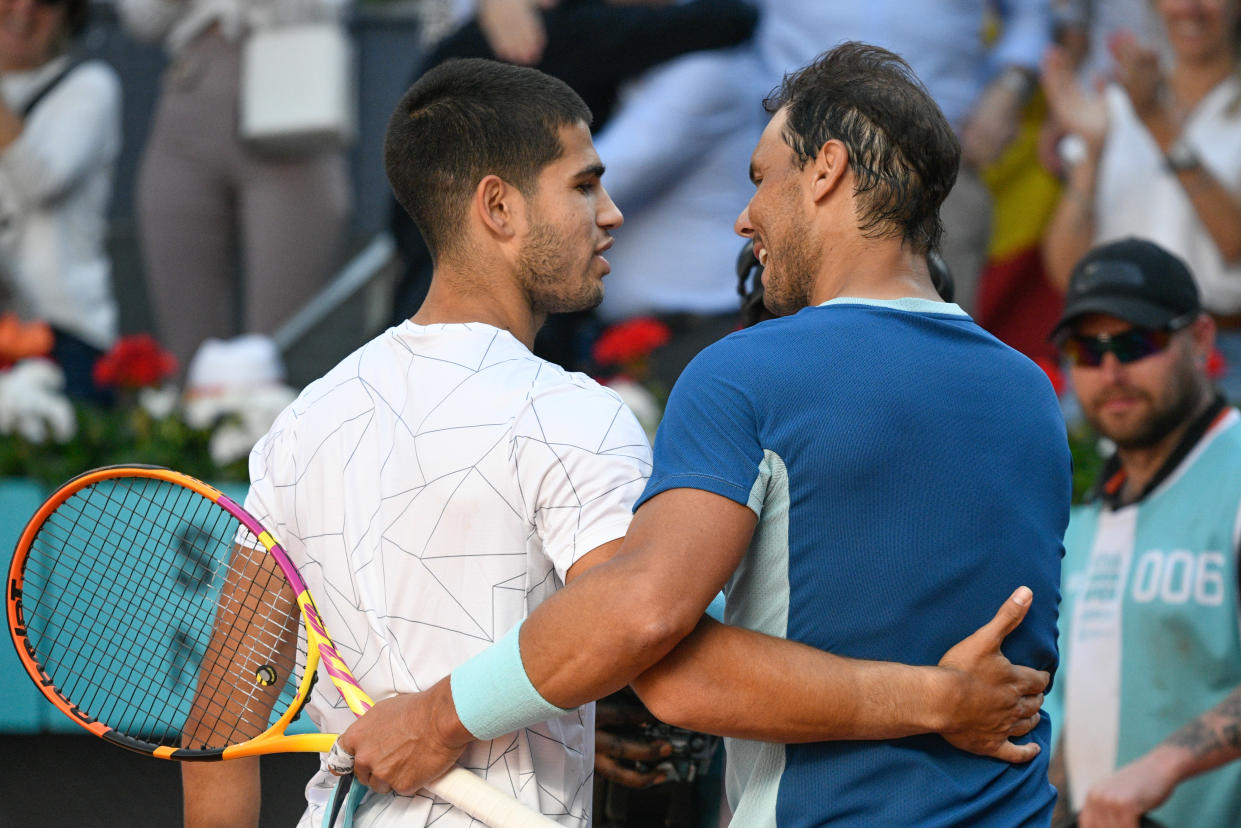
(902, 152)
(464, 120)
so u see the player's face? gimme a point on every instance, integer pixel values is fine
(561, 264)
(777, 220)
(1200, 29)
(29, 32)
(1138, 403)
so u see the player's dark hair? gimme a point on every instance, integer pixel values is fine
(902, 151)
(464, 120)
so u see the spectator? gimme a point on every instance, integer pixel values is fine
(677, 152)
(980, 89)
(205, 199)
(1083, 28)
(60, 135)
(1160, 157)
(1151, 664)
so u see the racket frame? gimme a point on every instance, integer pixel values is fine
(462, 788)
(319, 643)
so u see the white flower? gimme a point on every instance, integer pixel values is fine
(32, 402)
(159, 402)
(230, 442)
(244, 417)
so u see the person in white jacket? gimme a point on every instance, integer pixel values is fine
(60, 135)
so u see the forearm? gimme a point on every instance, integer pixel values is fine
(736, 682)
(583, 644)
(1207, 742)
(1070, 233)
(221, 794)
(1218, 209)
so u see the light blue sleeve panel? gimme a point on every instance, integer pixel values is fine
(708, 438)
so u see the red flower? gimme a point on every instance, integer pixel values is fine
(630, 340)
(134, 362)
(1052, 370)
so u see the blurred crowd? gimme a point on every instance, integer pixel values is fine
(1081, 122)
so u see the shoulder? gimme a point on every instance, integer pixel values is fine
(95, 76)
(739, 350)
(570, 396)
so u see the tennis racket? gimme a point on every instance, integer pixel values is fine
(160, 616)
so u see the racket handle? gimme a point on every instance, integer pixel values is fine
(473, 795)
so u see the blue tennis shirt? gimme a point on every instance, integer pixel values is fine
(909, 471)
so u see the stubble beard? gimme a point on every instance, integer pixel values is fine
(1162, 419)
(543, 272)
(788, 289)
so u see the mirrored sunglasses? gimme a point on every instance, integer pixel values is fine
(1127, 346)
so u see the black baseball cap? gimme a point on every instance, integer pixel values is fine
(1135, 280)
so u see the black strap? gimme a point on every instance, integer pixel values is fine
(47, 87)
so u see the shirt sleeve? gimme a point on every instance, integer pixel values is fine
(668, 115)
(709, 436)
(1025, 33)
(582, 460)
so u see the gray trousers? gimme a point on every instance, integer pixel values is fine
(232, 241)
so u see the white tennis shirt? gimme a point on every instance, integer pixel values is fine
(432, 489)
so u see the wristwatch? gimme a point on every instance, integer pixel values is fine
(1181, 157)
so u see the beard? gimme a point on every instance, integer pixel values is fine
(544, 272)
(1164, 416)
(787, 287)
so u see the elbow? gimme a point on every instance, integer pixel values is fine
(654, 635)
(655, 619)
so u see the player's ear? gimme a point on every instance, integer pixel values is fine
(828, 169)
(499, 206)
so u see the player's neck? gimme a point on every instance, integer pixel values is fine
(456, 297)
(872, 269)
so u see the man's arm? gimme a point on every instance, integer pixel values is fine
(221, 794)
(254, 625)
(993, 122)
(1204, 744)
(613, 622)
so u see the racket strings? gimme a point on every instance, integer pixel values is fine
(128, 587)
(102, 602)
(249, 630)
(87, 600)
